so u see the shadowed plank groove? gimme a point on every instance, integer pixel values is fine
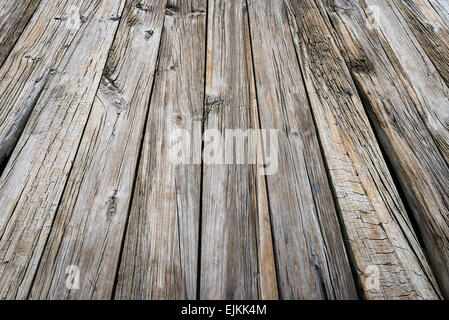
(419, 75)
(430, 30)
(94, 108)
(38, 53)
(35, 176)
(442, 7)
(422, 171)
(374, 219)
(160, 253)
(14, 15)
(430, 94)
(236, 226)
(309, 250)
(90, 222)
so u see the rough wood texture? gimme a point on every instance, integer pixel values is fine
(231, 266)
(90, 222)
(161, 247)
(36, 55)
(35, 176)
(378, 231)
(310, 255)
(430, 30)
(420, 76)
(14, 16)
(104, 172)
(430, 94)
(442, 7)
(421, 169)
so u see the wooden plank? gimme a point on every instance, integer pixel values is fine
(379, 235)
(90, 222)
(419, 75)
(430, 30)
(160, 253)
(421, 169)
(430, 94)
(14, 16)
(235, 225)
(309, 251)
(46, 40)
(34, 178)
(442, 7)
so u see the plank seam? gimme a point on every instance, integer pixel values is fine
(248, 3)
(71, 167)
(326, 167)
(142, 139)
(24, 27)
(204, 117)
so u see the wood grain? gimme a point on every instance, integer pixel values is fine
(420, 167)
(160, 255)
(14, 16)
(379, 235)
(442, 7)
(90, 222)
(34, 178)
(97, 98)
(235, 218)
(34, 60)
(310, 256)
(430, 31)
(430, 94)
(419, 75)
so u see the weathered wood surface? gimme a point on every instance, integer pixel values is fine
(90, 222)
(421, 78)
(38, 53)
(380, 238)
(160, 257)
(430, 94)
(14, 16)
(430, 30)
(421, 169)
(92, 105)
(35, 176)
(442, 7)
(235, 221)
(310, 255)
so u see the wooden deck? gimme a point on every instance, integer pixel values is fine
(350, 200)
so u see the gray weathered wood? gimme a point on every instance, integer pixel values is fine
(235, 221)
(430, 30)
(14, 16)
(92, 106)
(380, 239)
(90, 222)
(442, 7)
(419, 75)
(430, 94)
(34, 178)
(161, 246)
(416, 160)
(36, 56)
(310, 255)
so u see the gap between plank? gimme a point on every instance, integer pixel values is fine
(262, 146)
(200, 215)
(136, 169)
